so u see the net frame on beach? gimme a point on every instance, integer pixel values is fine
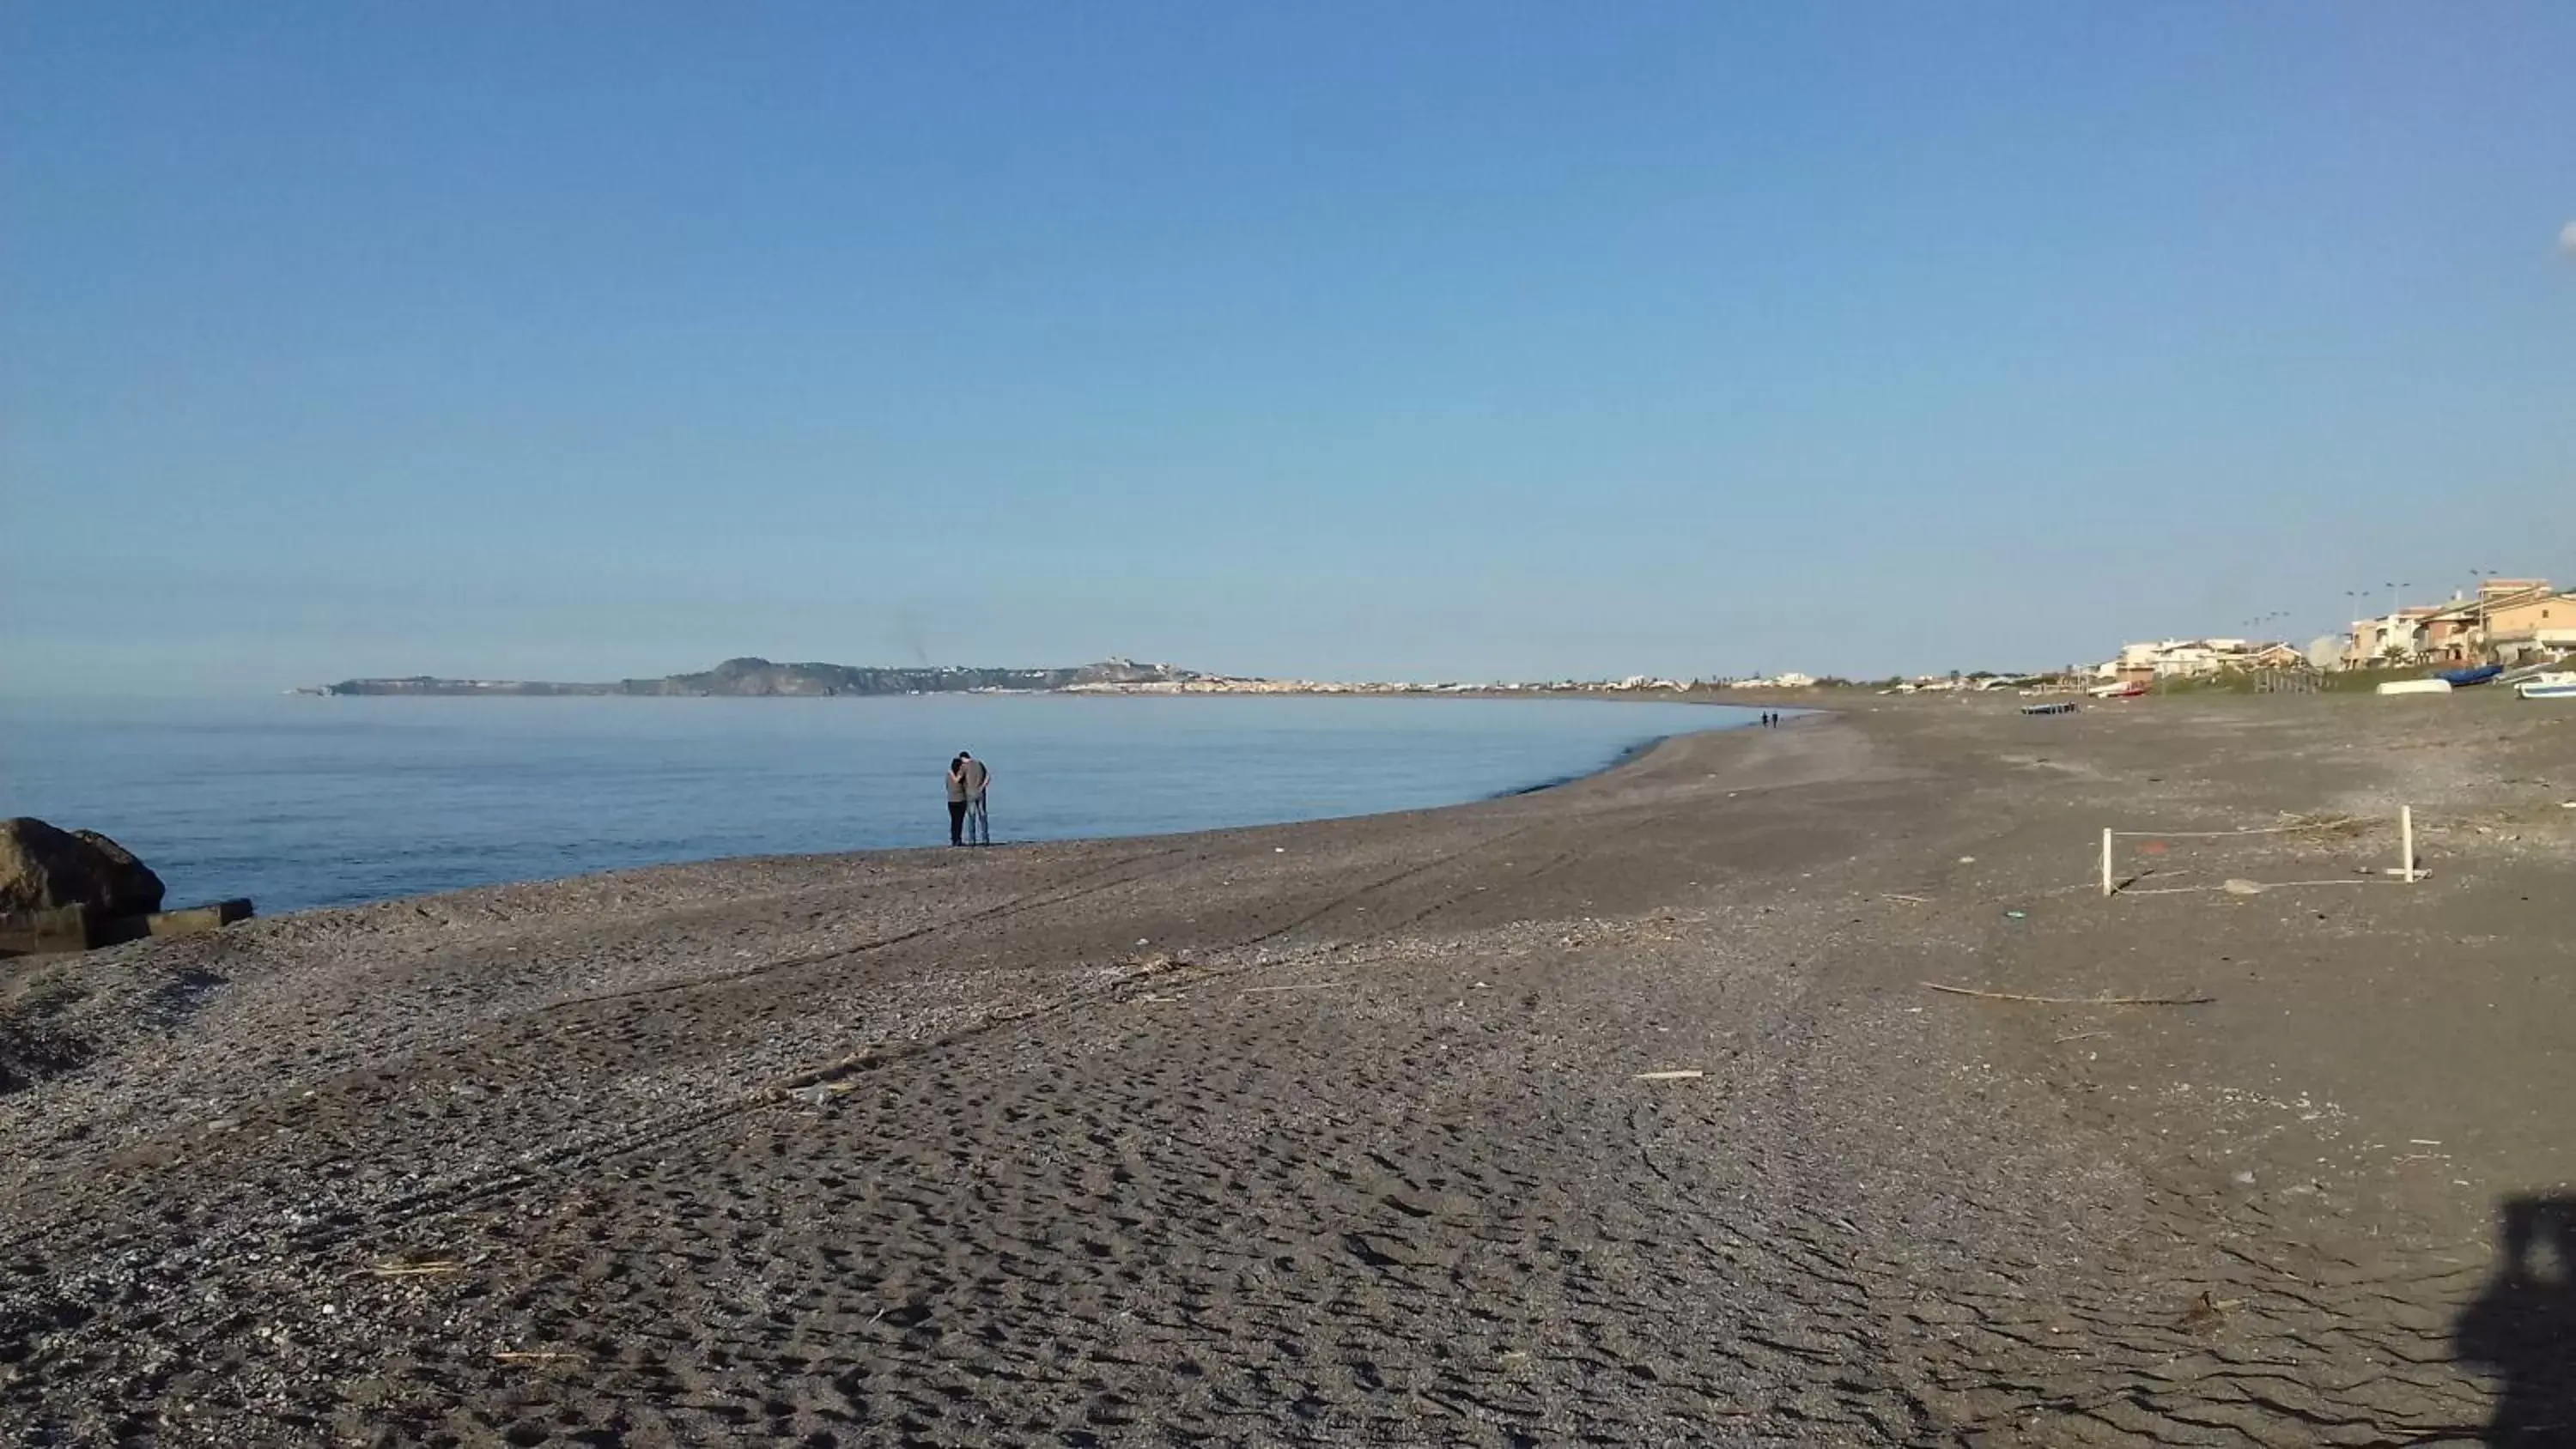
(2405, 872)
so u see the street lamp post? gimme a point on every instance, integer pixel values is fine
(2478, 580)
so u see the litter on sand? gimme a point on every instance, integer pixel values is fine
(2206, 1310)
(1679, 1076)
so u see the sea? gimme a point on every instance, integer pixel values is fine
(306, 801)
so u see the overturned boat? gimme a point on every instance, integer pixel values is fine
(2558, 685)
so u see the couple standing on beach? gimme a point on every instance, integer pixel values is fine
(968, 821)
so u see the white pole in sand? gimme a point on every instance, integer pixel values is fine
(2406, 842)
(2106, 860)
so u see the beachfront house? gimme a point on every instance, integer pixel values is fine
(2397, 638)
(2196, 658)
(2462, 631)
(2452, 633)
(2273, 656)
(2141, 663)
(2538, 621)
(2504, 619)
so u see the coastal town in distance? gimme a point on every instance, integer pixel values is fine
(2503, 621)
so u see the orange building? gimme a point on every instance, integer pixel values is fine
(2535, 618)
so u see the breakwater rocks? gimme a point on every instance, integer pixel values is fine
(70, 890)
(43, 868)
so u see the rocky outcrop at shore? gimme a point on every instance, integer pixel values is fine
(43, 868)
(63, 891)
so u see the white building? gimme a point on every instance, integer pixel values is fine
(2185, 658)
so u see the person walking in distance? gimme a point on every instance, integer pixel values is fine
(979, 820)
(957, 800)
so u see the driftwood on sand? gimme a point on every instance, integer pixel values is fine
(2070, 1000)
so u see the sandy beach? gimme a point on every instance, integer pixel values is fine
(1365, 1131)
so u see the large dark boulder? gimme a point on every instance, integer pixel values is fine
(132, 887)
(45, 869)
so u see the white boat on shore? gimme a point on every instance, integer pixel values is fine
(2560, 685)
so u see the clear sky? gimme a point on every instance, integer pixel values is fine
(1412, 340)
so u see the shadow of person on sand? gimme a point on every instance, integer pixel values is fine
(2523, 1326)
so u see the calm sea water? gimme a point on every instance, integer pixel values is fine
(298, 801)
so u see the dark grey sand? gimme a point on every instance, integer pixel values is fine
(1334, 1133)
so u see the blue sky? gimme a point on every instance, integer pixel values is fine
(587, 340)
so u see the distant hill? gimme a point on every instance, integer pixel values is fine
(760, 677)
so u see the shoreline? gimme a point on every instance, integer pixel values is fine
(1640, 750)
(1627, 756)
(795, 841)
(1148, 1122)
